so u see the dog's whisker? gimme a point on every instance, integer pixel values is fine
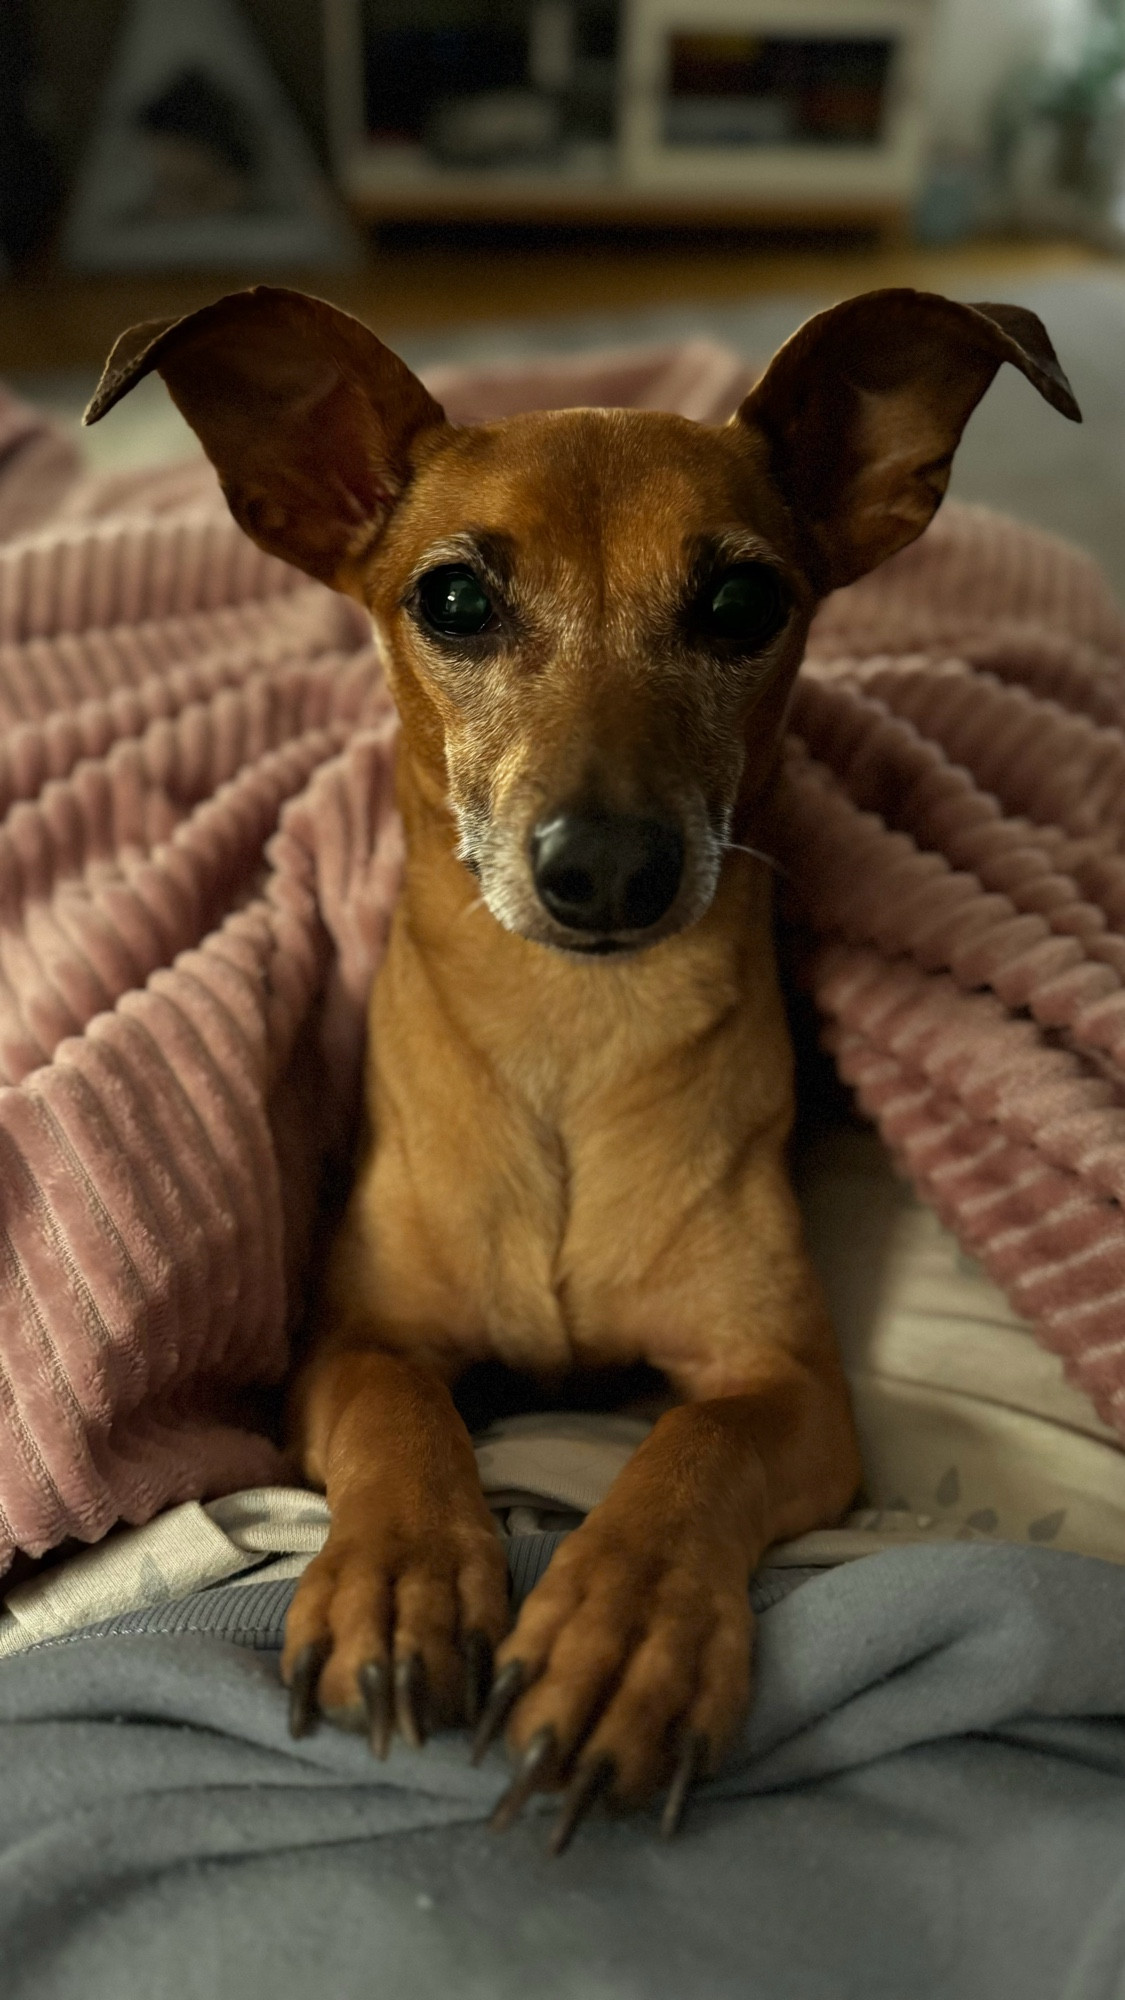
(478, 903)
(758, 853)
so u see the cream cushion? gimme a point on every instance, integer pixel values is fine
(964, 1419)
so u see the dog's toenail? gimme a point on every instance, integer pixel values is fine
(307, 1668)
(692, 1760)
(375, 1687)
(506, 1691)
(478, 1675)
(410, 1699)
(537, 1759)
(589, 1784)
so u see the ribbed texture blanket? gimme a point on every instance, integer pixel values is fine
(199, 854)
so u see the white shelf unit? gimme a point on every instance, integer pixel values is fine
(647, 173)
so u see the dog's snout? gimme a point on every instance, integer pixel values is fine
(604, 872)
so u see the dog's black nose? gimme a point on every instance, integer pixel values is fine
(604, 872)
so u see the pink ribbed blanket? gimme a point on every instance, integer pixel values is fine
(198, 854)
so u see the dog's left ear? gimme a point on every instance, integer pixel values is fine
(307, 418)
(863, 408)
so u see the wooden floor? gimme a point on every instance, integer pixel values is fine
(60, 322)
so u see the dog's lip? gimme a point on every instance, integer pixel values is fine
(575, 944)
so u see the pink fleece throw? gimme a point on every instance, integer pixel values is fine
(198, 858)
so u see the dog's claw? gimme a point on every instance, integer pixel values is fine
(375, 1687)
(410, 1699)
(691, 1762)
(538, 1756)
(506, 1691)
(478, 1675)
(585, 1788)
(303, 1710)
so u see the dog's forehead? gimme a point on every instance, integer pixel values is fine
(612, 486)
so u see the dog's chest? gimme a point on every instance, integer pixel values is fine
(532, 1169)
(465, 1226)
(488, 1222)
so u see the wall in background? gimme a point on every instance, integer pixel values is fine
(977, 43)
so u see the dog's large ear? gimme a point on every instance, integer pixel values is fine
(307, 418)
(863, 408)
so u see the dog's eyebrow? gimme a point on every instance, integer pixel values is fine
(707, 553)
(489, 552)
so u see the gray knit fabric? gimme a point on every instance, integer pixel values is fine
(929, 1804)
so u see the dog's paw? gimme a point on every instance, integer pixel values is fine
(628, 1669)
(395, 1630)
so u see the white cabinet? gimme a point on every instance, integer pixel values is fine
(629, 109)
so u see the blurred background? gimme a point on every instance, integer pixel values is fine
(481, 178)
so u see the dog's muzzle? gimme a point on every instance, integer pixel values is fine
(603, 873)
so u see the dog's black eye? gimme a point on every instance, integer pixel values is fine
(745, 607)
(453, 602)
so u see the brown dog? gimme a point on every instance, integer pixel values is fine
(579, 1082)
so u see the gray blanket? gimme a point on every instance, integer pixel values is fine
(929, 1800)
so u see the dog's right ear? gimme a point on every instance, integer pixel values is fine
(307, 418)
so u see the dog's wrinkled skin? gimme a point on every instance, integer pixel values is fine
(574, 1155)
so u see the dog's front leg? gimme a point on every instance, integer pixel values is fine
(394, 1623)
(630, 1662)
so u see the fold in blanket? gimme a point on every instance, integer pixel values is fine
(199, 854)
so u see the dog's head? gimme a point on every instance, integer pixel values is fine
(592, 618)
